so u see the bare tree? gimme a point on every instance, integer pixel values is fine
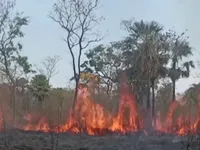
(77, 18)
(49, 66)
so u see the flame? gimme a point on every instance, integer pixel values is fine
(134, 121)
(94, 119)
(184, 124)
(42, 125)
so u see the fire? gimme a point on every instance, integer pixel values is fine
(180, 124)
(42, 125)
(94, 119)
(134, 121)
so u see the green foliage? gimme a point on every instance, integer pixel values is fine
(179, 49)
(144, 55)
(40, 87)
(192, 93)
(22, 61)
(144, 48)
(10, 30)
(104, 61)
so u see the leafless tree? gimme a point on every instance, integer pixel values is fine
(78, 19)
(49, 66)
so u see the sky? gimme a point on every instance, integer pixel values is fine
(43, 37)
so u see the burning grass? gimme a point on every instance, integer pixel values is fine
(94, 119)
(180, 120)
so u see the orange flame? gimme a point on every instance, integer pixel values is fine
(94, 118)
(184, 124)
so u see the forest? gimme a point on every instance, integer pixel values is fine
(138, 73)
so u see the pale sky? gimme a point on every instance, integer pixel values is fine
(43, 36)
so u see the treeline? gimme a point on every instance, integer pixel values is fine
(147, 54)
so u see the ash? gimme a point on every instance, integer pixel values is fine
(21, 140)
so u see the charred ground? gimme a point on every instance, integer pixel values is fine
(21, 140)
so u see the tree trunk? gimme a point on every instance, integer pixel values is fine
(148, 95)
(11, 96)
(107, 89)
(14, 104)
(140, 97)
(147, 117)
(44, 109)
(153, 98)
(28, 102)
(75, 95)
(174, 84)
(174, 90)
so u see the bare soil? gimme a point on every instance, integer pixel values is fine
(21, 140)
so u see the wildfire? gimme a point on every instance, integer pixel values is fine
(94, 119)
(42, 125)
(180, 124)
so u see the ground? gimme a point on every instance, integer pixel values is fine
(21, 140)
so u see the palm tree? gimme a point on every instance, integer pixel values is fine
(145, 43)
(40, 87)
(180, 49)
(158, 62)
(159, 71)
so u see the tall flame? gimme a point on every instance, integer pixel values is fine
(93, 118)
(90, 117)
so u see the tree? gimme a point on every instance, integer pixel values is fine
(192, 93)
(77, 18)
(105, 62)
(163, 97)
(158, 68)
(10, 30)
(131, 60)
(49, 68)
(40, 87)
(144, 49)
(91, 80)
(179, 49)
(12, 64)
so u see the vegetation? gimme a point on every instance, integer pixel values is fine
(152, 59)
(148, 55)
(77, 19)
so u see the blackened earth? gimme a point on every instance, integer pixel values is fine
(21, 140)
